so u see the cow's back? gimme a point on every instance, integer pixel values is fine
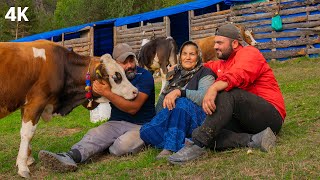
(22, 65)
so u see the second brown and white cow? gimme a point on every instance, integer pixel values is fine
(157, 54)
(43, 78)
(207, 44)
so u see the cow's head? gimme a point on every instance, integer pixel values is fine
(247, 35)
(110, 71)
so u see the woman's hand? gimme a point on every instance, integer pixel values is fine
(102, 89)
(170, 99)
(208, 104)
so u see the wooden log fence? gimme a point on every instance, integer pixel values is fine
(290, 42)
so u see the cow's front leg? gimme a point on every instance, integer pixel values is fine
(30, 114)
(27, 131)
(163, 80)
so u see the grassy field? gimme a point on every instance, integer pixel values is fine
(297, 155)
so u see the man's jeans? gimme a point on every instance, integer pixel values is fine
(239, 114)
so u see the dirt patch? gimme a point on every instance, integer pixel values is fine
(68, 132)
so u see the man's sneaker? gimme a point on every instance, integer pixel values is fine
(60, 162)
(189, 152)
(265, 140)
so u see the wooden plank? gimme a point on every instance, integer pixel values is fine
(316, 29)
(190, 16)
(212, 14)
(81, 49)
(114, 35)
(279, 34)
(77, 41)
(78, 45)
(255, 5)
(210, 18)
(85, 53)
(207, 31)
(167, 25)
(137, 38)
(131, 35)
(290, 53)
(198, 36)
(270, 14)
(149, 26)
(288, 43)
(273, 8)
(141, 29)
(223, 20)
(210, 26)
(91, 41)
(289, 20)
(287, 26)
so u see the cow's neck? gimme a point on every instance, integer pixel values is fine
(74, 83)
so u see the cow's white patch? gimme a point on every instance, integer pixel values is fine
(27, 131)
(155, 63)
(102, 100)
(41, 53)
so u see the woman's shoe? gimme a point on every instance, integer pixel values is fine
(164, 154)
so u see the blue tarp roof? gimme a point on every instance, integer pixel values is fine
(165, 11)
(58, 32)
(198, 4)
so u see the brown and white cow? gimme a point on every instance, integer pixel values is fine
(43, 78)
(207, 44)
(157, 54)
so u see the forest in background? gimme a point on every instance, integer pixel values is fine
(47, 15)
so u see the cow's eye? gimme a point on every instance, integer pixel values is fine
(117, 78)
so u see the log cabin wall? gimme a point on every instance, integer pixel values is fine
(134, 36)
(299, 36)
(83, 45)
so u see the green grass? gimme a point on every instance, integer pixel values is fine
(296, 156)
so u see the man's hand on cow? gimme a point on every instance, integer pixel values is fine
(170, 99)
(208, 104)
(102, 88)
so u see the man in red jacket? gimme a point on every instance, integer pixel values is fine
(244, 106)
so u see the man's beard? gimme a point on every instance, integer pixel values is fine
(226, 54)
(131, 73)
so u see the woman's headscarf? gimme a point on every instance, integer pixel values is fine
(179, 77)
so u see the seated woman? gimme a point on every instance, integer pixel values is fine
(179, 109)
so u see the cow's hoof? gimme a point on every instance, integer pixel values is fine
(30, 160)
(24, 174)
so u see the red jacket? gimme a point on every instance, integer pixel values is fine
(247, 69)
